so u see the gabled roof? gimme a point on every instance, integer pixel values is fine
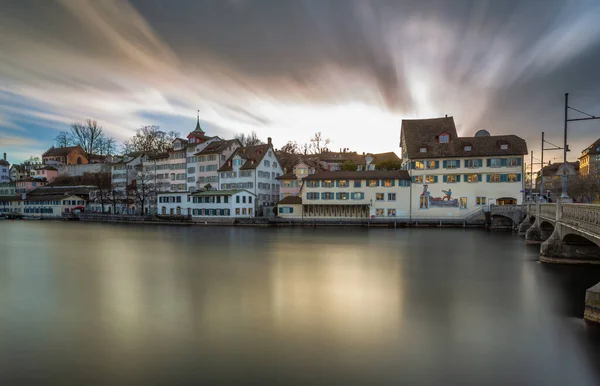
(61, 151)
(552, 169)
(385, 157)
(592, 148)
(290, 200)
(4, 163)
(252, 154)
(424, 133)
(158, 156)
(221, 192)
(288, 176)
(363, 175)
(218, 146)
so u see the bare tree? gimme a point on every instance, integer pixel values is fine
(150, 138)
(87, 134)
(107, 146)
(103, 184)
(291, 148)
(142, 188)
(318, 144)
(63, 139)
(250, 139)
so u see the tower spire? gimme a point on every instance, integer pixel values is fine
(198, 128)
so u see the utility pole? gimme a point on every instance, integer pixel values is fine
(542, 162)
(565, 196)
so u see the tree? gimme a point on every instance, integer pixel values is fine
(88, 135)
(107, 146)
(250, 139)
(318, 144)
(142, 188)
(33, 160)
(103, 184)
(63, 139)
(348, 166)
(291, 148)
(150, 139)
(389, 165)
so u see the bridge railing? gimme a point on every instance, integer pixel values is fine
(506, 208)
(584, 216)
(548, 210)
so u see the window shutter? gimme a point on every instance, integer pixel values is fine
(337, 196)
(479, 177)
(445, 178)
(489, 162)
(377, 183)
(458, 178)
(412, 164)
(518, 177)
(393, 182)
(445, 164)
(503, 161)
(519, 160)
(435, 179)
(337, 183)
(437, 164)
(503, 177)
(412, 178)
(487, 177)
(466, 177)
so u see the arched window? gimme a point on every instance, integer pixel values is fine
(78, 160)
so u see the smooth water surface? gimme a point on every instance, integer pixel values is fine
(84, 304)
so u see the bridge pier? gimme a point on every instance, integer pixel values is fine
(558, 250)
(525, 225)
(592, 304)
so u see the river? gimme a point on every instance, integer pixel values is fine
(87, 304)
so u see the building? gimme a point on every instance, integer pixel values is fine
(49, 206)
(79, 170)
(4, 170)
(290, 182)
(351, 194)
(208, 204)
(333, 161)
(69, 155)
(589, 162)
(381, 161)
(8, 194)
(553, 175)
(256, 169)
(28, 184)
(454, 175)
(203, 166)
(44, 172)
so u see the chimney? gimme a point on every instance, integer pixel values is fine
(269, 141)
(446, 115)
(5, 156)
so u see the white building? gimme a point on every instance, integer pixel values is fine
(256, 169)
(51, 205)
(4, 170)
(204, 165)
(348, 194)
(452, 175)
(208, 204)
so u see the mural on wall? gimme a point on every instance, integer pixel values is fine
(445, 202)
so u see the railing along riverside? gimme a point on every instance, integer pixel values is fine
(583, 216)
(113, 217)
(505, 208)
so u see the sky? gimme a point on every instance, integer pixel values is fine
(351, 69)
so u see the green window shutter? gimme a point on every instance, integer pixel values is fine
(337, 183)
(519, 177)
(466, 177)
(377, 183)
(338, 196)
(393, 182)
(479, 163)
(503, 162)
(519, 160)
(487, 177)
(479, 177)
(413, 178)
(458, 178)
(445, 178)
(503, 177)
(437, 164)
(347, 183)
(412, 164)
(435, 179)
(445, 164)
(489, 162)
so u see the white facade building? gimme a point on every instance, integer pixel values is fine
(256, 169)
(208, 204)
(452, 176)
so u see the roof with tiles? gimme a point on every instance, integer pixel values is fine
(252, 154)
(425, 134)
(363, 175)
(61, 151)
(218, 146)
(290, 200)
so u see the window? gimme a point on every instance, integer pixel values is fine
(514, 162)
(423, 150)
(379, 212)
(468, 148)
(343, 183)
(417, 179)
(250, 211)
(450, 178)
(274, 164)
(423, 202)
(473, 163)
(494, 177)
(462, 203)
(495, 162)
(286, 209)
(473, 177)
(327, 196)
(267, 163)
(373, 183)
(480, 200)
(504, 146)
(388, 183)
(431, 179)
(244, 211)
(391, 196)
(237, 211)
(432, 164)
(312, 196)
(379, 197)
(451, 164)
(326, 184)
(512, 178)
(357, 183)
(343, 196)
(391, 212)
(418, 165)
(358, 195)
(237, 199)
(444, 138)
(249, 199)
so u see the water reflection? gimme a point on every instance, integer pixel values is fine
(140, 305)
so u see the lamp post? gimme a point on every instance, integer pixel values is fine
(564, 195)
(556, 147)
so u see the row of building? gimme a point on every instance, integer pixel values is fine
(439, 175)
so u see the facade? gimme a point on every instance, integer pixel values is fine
(290, 207)
(81, 169)
(256, 169)
(22, 171)
(291, 182)
(70, 155)
(203, 166)
(208, 204)
(4, 170)
(51, 206)
(553, 175)
(589, 162)
(351, 194)
(26, 185)
(8, 194)
(452, 176)
(45, 172)
(381, 161)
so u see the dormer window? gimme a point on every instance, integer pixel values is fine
(468, 148)
(444, 138)
(504, 146)
(423, 150)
